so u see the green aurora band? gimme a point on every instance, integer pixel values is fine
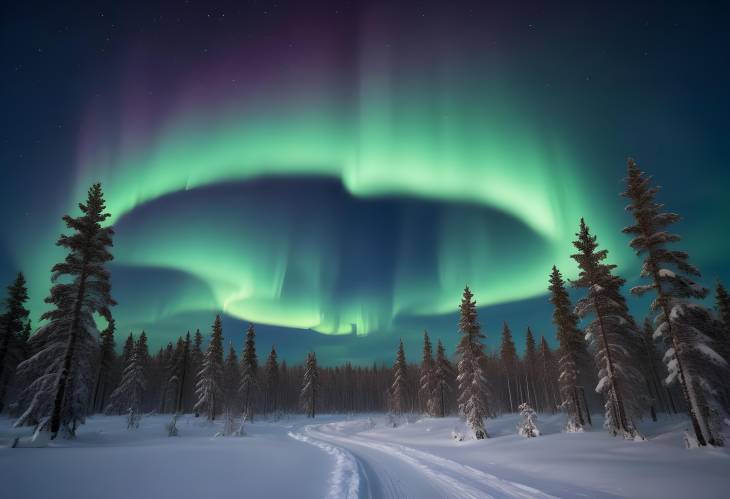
(450, 140)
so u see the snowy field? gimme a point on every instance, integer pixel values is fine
(358, 456)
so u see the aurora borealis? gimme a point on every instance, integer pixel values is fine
(350, 168)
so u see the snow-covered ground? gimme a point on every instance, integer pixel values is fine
(358, 456)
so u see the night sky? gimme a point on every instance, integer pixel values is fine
(337, 172)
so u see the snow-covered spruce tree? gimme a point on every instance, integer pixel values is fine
(272, 381)
(149, 398)
(67, 344)
(310, 385)
(249, 372)
(13, 323)
(473, 391)
(573, 353)
(209, 388)
(399, 387)
(528, 426)
(612, 334)
(443, 379)
(196, 362)
(427, 380)
(231, 378)
(690, 356)
(509, 360)
(127, 398)
(107, 358)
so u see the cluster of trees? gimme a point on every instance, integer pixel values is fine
(675, 360)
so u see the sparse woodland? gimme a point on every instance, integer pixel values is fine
(672, 359)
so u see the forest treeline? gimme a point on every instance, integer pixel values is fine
(674, 359)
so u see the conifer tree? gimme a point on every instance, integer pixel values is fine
(530, 367)
(107, 358)
(127, 397)
(249, 371)
(13, 324)
(610, 333)
(691, 357)
(209, 388)
(472, 383)
(399, 387)
(444, 374)
(67, 345)
(427, 381)
(183, 374)
(272, 381)
(231, 377)
(310, 386)
(573, 353)
(196, 360)
(508, 354)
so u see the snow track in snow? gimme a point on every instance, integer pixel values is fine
(395, 471)
(345, 478)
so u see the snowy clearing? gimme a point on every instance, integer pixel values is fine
(359, 456)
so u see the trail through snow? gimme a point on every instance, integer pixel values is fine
(375, 469)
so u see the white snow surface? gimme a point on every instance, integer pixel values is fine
(359, 456)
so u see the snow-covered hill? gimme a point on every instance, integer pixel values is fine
(359, 456)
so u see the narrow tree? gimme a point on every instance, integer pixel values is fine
(249, 371)
(508, 354)
(12, 327)
(573, 353)
(209, 387)
(196, 361)
(399, 387)
(231, 377)
(472, 383)
(107, 357)
(128, 395)
(610, 334)
(310, 386)
(427, 381)
(444, 374)
(67, 344)
(691, 356)
(182, 372)
(272, 381)
(530, 367)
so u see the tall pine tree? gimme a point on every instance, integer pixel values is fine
(691, 357)
(610, 333)
(249, 371)
(508, 354)
(573, 353)
(67, 345)
(127, 397)
(443, 381)
(272, 381)
(472, 383)
(427, 381)
(209, 388)
(310, 385)
(13, 324)
(399, 387)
